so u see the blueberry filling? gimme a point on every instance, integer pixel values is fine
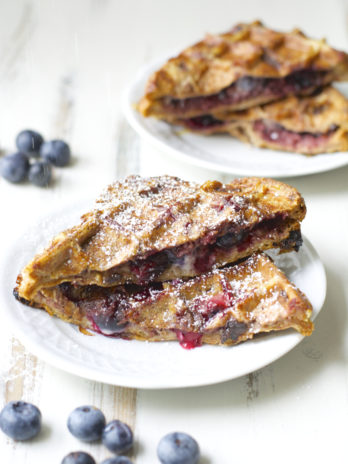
(278, 134)
(202, 122)
(208, 306)
(201, 256)
(293, 242)
(229, 239)
(189, 340)
(248, 87)
(233, 330)
(106, 307)
(152, 267)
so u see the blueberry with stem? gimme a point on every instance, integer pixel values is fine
(20, 420)
(86, 423)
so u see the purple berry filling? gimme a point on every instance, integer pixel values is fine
(249, 87)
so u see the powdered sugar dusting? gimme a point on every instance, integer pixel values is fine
(238, 301)
(141, 216)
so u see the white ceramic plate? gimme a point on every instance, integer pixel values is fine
(142, 364)
(220, 153)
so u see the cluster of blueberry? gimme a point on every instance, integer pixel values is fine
(22, 421)
(24, 164)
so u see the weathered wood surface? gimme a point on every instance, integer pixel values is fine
(63, 66)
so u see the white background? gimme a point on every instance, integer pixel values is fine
(63, 66)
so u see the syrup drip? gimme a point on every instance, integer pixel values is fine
(188, 340)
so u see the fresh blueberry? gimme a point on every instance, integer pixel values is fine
(56, 152)
(14, 168)
(86, 423)
(40, 173)
(78, 457)
(20, 420)
(29, 141)
(178, 448)
(117, 460)
(117, 437)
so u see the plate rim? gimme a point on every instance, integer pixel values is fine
(133, 118)
(58, 360)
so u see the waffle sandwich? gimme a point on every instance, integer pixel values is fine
(153, 261)
(223, 306)
(245, 67)
(309, 125)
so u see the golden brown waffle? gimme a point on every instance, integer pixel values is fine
(248, 66)
(162, 228)
(309, 125)
(224, 306)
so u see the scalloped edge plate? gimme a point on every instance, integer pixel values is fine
(134, 363)
(221, 153)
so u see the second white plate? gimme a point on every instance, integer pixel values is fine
(220, 153)
(141, 364)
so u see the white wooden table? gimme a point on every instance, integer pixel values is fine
(63, 66)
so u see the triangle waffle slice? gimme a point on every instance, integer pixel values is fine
(157, 229)
(309, 125)
(245, 67)
(224, 306)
